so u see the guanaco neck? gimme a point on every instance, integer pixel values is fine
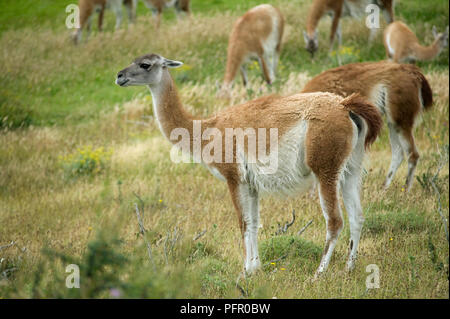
(235, 57)
(167, 107)
(427, 52)
(314, 15)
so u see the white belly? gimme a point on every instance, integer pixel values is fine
(291, 174)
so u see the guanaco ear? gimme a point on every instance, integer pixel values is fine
(171, 63)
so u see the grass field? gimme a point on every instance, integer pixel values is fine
(78, 153)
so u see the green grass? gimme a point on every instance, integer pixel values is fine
(56, 98)
(390, 218)
(58, 92)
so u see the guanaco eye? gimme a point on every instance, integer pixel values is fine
(145, 66)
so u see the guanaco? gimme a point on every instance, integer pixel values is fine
(319, 136)
(400, 91)
(255, 35)
(402, 45)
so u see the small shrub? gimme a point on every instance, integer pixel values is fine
(86, 161)
(425, 180)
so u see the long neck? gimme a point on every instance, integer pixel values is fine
(167, 108)
(426, 53)
(314, 15)
(235, 58)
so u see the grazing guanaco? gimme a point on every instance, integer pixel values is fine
(337, 9)
(402, 44)
(399, 91)
(255, 35)
(88, 7)
(157, 7)
(320, 136)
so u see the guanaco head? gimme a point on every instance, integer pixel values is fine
(311, 42)
(145, 70)
(441, 37)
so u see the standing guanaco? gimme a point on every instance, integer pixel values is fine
(320, 136)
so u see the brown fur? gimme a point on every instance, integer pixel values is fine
(402, 81)
(266, 112)
(359, 105)
(87, 9)
(316, 12)
(406, 46)
(427, 93)
(246, 39)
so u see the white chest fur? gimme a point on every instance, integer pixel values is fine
(291, 175)
(271, 42)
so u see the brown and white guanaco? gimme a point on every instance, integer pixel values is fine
(255, 35)
(402, 45)
(320, 137)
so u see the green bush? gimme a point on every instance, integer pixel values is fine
(85, 161)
